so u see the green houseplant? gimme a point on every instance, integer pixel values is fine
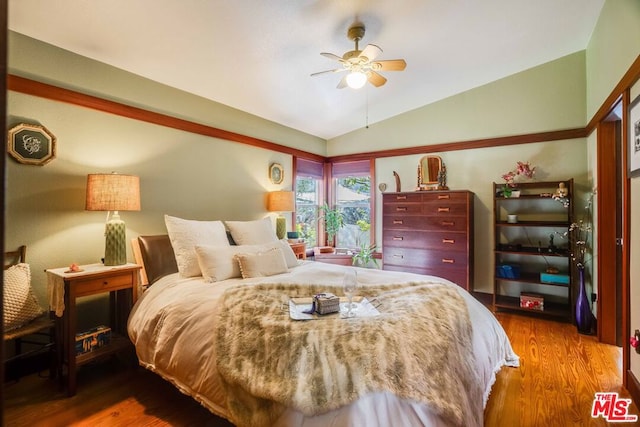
(333, 221)
(365, 256)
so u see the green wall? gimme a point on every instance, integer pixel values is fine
(181, 173)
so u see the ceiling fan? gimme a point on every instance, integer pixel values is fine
(361, 64)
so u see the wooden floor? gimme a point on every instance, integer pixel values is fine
(560, 372)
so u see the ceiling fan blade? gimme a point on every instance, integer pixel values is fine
(337, 70)
(343, 83)
(332, 56)
(375, 79)
(371, 52)
(389, 65)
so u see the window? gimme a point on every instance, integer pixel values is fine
(352, 194)
(309, 180)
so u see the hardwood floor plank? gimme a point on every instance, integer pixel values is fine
(555, 385)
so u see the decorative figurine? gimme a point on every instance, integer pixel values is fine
(442, 178)
(397, 177)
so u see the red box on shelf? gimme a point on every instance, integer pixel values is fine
(532, 301)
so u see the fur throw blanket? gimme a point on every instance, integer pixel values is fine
(418, 348)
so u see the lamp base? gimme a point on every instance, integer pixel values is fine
(115, 238)
(281, 227)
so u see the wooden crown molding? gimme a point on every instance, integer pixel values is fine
(56, 93)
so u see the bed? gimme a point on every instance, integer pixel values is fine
(232, 346)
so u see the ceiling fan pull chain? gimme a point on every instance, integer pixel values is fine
(366, 91)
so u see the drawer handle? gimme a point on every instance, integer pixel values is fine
(448, 241)
(398, 221)
(401, 197)
(449, 223)
(397, 238)
(447, 261)
(443, 197)
(401, 209)
(105, 283)
(398, 256)
(443, 209)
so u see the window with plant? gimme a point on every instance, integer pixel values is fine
(352, 190)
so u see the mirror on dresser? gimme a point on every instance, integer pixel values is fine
(431, 173)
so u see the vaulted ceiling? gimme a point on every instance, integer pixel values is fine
(257, 56)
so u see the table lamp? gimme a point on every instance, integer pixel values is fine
(112, 193)
(280, 201)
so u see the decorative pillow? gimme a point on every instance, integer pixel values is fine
(219, 263)
(185, 234)
(252, 232)
(20, 304)
(262, 264)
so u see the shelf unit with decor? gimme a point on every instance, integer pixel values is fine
(533, 269)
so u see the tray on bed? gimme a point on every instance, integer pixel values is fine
(298, 306)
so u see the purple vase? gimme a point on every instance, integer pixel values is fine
(584, 316)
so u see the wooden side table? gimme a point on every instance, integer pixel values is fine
(300, 249)
(122, 284)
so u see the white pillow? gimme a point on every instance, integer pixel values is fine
(252, 232)
(185, 234)
(289, 256)
(219, 263)
(262, 264)
(20, 304)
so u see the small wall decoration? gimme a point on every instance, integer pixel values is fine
(31, 144)
(634, 137)
(276, 173)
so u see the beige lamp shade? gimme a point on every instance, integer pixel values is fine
(113, 193)
(280, 201)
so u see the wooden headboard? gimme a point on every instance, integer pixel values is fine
(155, 255)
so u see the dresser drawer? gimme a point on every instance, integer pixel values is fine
(459, 276)
(103, 284)
(402, 209)
(445, 208)
(424, 258)
(427, 223)
(441, 241)
(428, 197)
(402, 198)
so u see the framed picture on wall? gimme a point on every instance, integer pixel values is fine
(31, 144)
(276, 173)
(634, 137)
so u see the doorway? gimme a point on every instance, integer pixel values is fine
(609, 226)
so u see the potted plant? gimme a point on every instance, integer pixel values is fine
(510, 188)
(333, 221)
(365, 256)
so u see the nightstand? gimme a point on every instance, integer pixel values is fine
(121, 282)
(300, 249)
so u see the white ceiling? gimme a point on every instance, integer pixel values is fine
(257, 55)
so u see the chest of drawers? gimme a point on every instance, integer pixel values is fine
(429, 233)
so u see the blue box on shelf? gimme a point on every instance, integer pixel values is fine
(556, 279)
(508, 271)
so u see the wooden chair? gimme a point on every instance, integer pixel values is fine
(42, 327)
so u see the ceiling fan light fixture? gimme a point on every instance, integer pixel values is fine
(356, 79)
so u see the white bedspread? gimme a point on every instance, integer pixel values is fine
(172, 327)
